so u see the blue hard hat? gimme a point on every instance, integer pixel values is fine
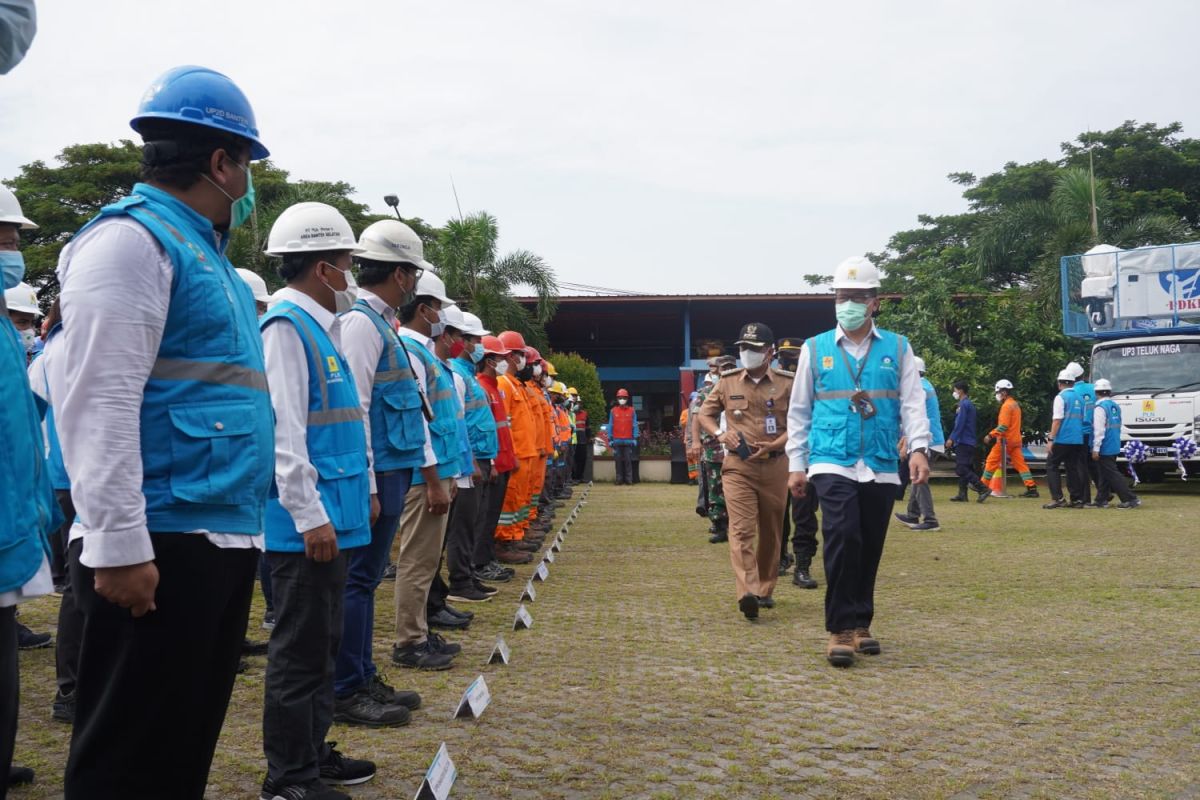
(201, 96)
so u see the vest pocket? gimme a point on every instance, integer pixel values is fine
(214, 454)
(401, 419)
(829, 438)
(212, 324)
(345, 490)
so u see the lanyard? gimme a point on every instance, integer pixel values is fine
(857, 376)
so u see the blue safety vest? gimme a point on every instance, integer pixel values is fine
(336, 441)
(1087, 393)
(1110, 445)
(208, 433)
(54, 459)
(397, 423)
(839, 435)
(444, 431)
(1070, 431)
(481, 425)
(28, 511)
(933, 410)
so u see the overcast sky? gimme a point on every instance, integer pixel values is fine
(646, 146)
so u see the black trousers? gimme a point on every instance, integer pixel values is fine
(489, 518)
(460, 537)
(964, 467)
(298, 692)
(152, 692)
(1071, 458)
(623, 456)
(10, 691)
(801, 515)
(58, 537)
(854, 521)
(1111, 480)
(70, 619)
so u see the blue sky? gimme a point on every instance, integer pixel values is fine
(645, 146)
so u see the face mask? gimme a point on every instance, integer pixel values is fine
(502, 366)
(537, 370)
(710, 379)
(547, 381)
(999, 397)
(13, 264)
(476, 354)
(957, 395)
(753, 359)
(343, 299)
(436, 328)
(851, 315)
(28, 338)
(621, 401)
(243, 207)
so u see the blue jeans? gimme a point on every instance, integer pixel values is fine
(364, 573)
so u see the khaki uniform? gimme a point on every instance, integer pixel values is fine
(755, 491)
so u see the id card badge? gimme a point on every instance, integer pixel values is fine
(860, 403)
(772, 427)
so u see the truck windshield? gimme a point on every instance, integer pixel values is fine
(1150, 366)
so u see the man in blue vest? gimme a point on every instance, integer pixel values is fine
(1087, 393)
(1066, 448)
(423, 522)
(921, 516)
(167, 434)
(1106, 422)
(856, 392)
(397, 443)
(320, 508)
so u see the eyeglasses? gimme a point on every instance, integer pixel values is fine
(853, 297)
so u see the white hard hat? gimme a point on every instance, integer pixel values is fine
(474, 325)
(920, 362)
(1075, 370)
(10, 209)
(1103, 385)
(257, 285)
(22, 298)
(392, 242)
(1066, 376)
(1003, 383)
(430, 285)
(454, 318)
(310, 228)
(856, 272)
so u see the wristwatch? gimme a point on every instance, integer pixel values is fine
(922, 450)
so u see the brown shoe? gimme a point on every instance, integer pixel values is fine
(526, 546)
(840, 651)
(511, 555)
(865, 643)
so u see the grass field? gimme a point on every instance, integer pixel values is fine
(1027, 653)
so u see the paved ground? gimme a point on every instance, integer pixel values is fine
(1027, 653)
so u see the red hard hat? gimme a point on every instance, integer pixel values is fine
(532, 355)
(492, 346)
(622, 393)
(512, 340)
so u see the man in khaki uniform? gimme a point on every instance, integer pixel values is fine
(754, 400)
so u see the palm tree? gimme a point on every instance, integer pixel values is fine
(465, 256)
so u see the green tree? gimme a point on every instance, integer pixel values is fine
(575, 370)
(465, 255)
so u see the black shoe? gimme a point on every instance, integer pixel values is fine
(718, 537)
(908, 519)
(60, 588)
(785, 563)
(1134, 503)
(1060, 503)
(63, 708)
(1030, 493)
(28, 640)
(748, 605)
(495, 573)
(438, 644)
(19, 776)
(803, 579)
(1077, 504)
(468, 595)
(958, 498)
(392, 697)
(483, 587)
(1095, 504)
(929, 525)
(313, 790)
(420, 656)
(250, 648)
(446, 621)
(342, 771)
(766, 602)
(984, 493)
(467, 615)
(389, 573)
(268, 623)
(362, 709)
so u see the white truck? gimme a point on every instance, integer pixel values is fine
(1142, 309)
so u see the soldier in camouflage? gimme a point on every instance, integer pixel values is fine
(711, 454)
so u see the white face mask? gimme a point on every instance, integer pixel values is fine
(520, 363)
(502, 366)
(957, 394)
(621, 401)
(28, 338)
(999, 397)
(547, 381)
(752, 358)
(537, 370)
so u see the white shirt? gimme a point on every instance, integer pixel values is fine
(116, 290)
(1099, 423)
(1060, 407)
(460, 386)
(913, 422)
(363, 348)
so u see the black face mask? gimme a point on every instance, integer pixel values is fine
(525, 374)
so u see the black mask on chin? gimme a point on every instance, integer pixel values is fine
(525, 373)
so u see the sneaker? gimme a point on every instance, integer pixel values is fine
(385, 694)
(342, 771)
(1134, 503)
(908, 519)
(928, 525)
(362, 709)
(803, 579)
(748, 605)
(28, 640)
(420, 656)
(495, 573)
(389, 573)
(865, 643)
(983, 492)
(1077, 504)
(313, 790)
(269, 621)
(483, 587)
(1060, 503)
(438, 644)
(469, 595)
(840, 650)
(1094, 504)
(446, 621)
(1030, 492)
(63, 708)
(718, 537)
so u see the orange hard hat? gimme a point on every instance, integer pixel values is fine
(532, 355)
(622, 393)
(512, 340)
(492, 346)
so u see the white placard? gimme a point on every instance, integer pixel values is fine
(530, 593)
(523, 618)
(542, 573)
(557, 546)
(474, 700)
(549, 557)
(439, 778)
(501, 653)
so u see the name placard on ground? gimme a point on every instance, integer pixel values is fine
(439, 778)
(529, 593)
(501, 653)
(474, 700)
(523, 618)
(549, 557)
(542, 573)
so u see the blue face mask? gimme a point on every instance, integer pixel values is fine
(13, 265)
(476, 354)
(851, 315)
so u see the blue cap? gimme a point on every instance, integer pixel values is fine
(201, 96)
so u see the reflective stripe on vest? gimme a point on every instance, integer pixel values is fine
(1070, 430)
(1110, 445)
